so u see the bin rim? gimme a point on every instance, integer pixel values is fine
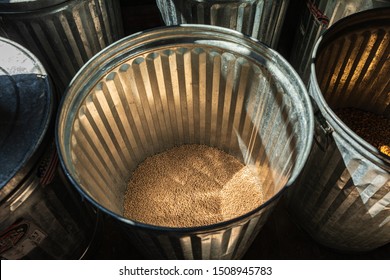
(98, 65)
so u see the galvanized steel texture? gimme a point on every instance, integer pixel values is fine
(172, 86)
(39, 218)
(51, 221)
(63, 36)
(317, 16)
(27, 103)
(261, 19)
(343, 196)
(225, 243)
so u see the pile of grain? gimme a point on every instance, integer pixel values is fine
(373, 128)
(191, 185)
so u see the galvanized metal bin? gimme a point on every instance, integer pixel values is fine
(342, 197)
(39, 217)
(177, 85)
(62, 34)
(260, 19)
(316, 17)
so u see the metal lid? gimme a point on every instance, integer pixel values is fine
(27, 5)
(26, 105)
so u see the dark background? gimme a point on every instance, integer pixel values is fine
(280, 238)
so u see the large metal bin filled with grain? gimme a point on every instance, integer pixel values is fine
(343, 196)
(63, 34)
(187, 136)
(260, 19)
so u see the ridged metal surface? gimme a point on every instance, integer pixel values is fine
(260, 19)
(164, 99)
(317, 16)
(343, 195)
(64, 36)
(176, 86)
(226, 243)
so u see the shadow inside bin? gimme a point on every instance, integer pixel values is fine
(185, 96)
(176, 240)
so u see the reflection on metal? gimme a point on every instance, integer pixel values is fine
(260, 19)
(172, 86)
(62, 34)
(343, 195)
(317, 16)
(40, 218)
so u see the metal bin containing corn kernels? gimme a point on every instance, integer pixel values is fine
(191, 84)
(342, 197)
